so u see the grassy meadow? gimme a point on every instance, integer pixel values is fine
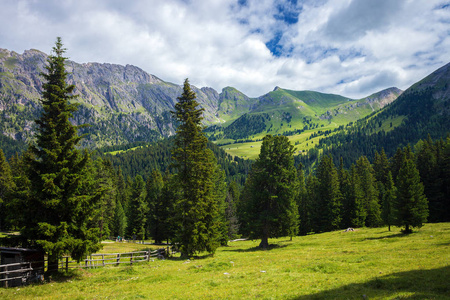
(364, 264)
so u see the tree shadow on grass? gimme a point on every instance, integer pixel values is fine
(257, 248)
(417, 284)
(395, 235)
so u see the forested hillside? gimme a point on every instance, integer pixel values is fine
(420, 111)
(143, 159)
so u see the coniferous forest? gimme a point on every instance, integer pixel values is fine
(187, 191)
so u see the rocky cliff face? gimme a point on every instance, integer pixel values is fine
(121, 103)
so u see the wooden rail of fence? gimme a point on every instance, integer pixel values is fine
(101, 260)
(22, 270)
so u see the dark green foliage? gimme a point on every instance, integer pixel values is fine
(304, 204)
(369, 192)
(328, 206)
(59, 206)
(271, 191)
(104, 175)
(246, 125)
(412, 205)
(158, 210)
(353, 211)
(157, 155)
(120, 220)
(309, 204)
(389, 202)
(230, 210)
(137, 211)
(197, 209)
(433, 163)
(11, 146)
(6, 188)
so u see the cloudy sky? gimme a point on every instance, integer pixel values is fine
(347, 47)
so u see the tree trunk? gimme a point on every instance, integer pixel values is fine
(52, 266)
(264, 242)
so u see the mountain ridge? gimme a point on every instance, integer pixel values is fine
(123, 104)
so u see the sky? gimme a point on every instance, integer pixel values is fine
(348, 47)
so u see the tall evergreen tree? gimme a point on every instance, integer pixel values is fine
(370, 193)
(358, 212)
(271, 200)
(120, 220)
(311, 205)
(230, 210)
(196, 208)
(137, 214)
(58, 210)
(412, 205)
(329, 196)
(6, 187)
(157, 209)
(303, 203)
(389, 202)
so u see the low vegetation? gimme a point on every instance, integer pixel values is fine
(365, 263)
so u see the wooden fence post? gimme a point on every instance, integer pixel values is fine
(67, 264)
(131, 259)
(86, 261)
(103, 259)
(118, 258)
(6, 276)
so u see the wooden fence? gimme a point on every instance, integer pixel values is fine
(25, 271)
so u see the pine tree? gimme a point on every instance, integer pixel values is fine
(311, 204)
(137, 214)
(157, 212)
(220, 194)
(197, 209)
(303, 203)
(412, 205)
(58, 209)
(6, 188)
(389, 202)
(230, 211)
(370, 192)
(358, 212)
(272, 190)
(329, 196)
(120, 220)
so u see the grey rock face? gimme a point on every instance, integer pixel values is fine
(121, 103)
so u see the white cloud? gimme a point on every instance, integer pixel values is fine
(343, 46)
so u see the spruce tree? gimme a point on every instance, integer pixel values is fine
(6, 188)
(137, 213)
(329, 196)
(311, 204)
(59, 208)
(120, 220)
(230, 210)
(272, 190)
(389, 202)
(197, 209)
(370, 193)
(412, 205)
(157, 212)
(303, 203)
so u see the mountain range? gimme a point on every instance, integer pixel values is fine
(124, 104)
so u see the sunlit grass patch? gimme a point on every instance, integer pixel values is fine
(334, 265)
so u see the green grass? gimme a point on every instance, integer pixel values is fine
(335, 265)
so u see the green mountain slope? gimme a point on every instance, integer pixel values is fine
(422, 110)
(298, 114)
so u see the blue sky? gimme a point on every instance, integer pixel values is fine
(348, 47)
